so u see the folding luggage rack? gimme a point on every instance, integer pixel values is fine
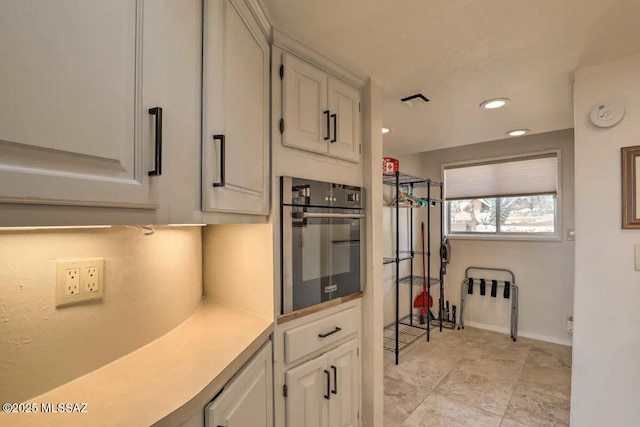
(510, 290)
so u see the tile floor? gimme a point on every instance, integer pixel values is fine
(478, 378)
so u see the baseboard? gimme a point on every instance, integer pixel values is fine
(520, 333)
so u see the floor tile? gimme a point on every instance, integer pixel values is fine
(390, 423)
(493, 367)
(545, 357)
(418, 369)
(549, 381)
(477, 390)
(475, 377)
(509, 423)
(487, 343)
(537, 409)
(401, 399)
(439, 411)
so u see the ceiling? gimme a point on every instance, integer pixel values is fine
(459, 53)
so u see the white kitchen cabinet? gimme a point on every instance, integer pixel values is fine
(324, 392)
(345, 368)
(248, 399)
(80, 86)
(304, 102)
(344, 104)
(307, 388)
(320, 113)
(235, 144)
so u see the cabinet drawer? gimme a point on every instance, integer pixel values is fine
(315, 335)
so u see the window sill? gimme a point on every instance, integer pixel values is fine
(505, 238)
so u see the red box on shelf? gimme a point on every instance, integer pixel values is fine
(390, 165)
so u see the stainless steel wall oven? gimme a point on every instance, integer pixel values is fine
(320, 241)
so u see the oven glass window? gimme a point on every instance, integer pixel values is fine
(326, 257)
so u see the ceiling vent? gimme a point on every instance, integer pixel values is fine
(416, 99)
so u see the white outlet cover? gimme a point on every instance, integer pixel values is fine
(62, 298)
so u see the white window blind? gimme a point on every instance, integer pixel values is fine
(511, 177)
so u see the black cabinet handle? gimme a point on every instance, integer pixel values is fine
(335, 380)
(335, 127)
(328, 125)
(337, 329)
(328, 396)
(221, 139)
(157, 111)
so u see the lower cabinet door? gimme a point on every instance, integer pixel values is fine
(308, 389)
(247, 401)
(344, 366)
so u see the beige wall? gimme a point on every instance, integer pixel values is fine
(544, 270)
(606, 378)
(237, 262)
(151, 284)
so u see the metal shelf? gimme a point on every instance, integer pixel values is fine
(389, 260)
(409, 331)
(404, 256)
(432, 204)
(405, 179)
(418, 280)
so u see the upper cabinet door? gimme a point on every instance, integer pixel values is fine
(304, 105)
(344, 104)
(345, 399)
(75, 127)
(235, 110)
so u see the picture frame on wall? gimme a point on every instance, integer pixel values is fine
(630, 187)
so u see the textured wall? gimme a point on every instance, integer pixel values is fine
(151, 284)
(246, 253)
(606, 378)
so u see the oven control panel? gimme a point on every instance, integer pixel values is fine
(305, 192)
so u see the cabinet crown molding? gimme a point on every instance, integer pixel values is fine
(255, 6)
(291, 45)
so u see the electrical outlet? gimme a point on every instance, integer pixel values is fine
(79, 280)
(90, 278)
(72, 281)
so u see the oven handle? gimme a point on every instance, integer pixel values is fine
(325, 215)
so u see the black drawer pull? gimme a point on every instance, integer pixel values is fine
(326, 138)
(335, 380)
(157, 111)
(221, 139)
(335, 127)
(328, 374)
(337, 329)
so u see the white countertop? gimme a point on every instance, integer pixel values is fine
(165, 382)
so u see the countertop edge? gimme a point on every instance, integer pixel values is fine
(198, 402)
(122, 405)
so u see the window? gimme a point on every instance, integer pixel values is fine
(503, 197)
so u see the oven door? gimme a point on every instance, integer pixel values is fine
(321, 255)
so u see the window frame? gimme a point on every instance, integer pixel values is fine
(556, 236)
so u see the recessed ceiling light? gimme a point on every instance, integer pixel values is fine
(490, 104)
(386, 130)
(518, 132)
